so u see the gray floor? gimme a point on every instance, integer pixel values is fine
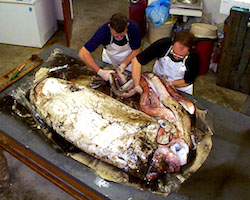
(88, 16)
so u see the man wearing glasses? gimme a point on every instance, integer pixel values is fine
(121, 40)
(176, 59)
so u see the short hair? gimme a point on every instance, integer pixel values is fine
(186, 38)
(118, 22)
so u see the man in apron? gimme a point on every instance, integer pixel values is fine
(176, 59)
(121, 40)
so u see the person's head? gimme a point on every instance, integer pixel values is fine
(183, 42)
(118, 25)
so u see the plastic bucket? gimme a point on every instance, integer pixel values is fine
(157, 32)
(204, 48)
(201, 30)
(206, 35)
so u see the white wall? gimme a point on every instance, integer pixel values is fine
(226, 5)
(213, 7)
(210, 7)
(58, 9)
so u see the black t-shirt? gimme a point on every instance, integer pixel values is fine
(159, 48)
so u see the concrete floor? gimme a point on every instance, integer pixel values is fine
(88, 16)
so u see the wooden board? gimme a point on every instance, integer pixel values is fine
(242, 77)
(235, 53)
(237, 50)
(30, 64)
(67, 20)
(225, 68)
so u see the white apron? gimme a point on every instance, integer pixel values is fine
(115, 54)
(173, 70)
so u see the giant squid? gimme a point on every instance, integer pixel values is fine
(161, 100)
(145, 144)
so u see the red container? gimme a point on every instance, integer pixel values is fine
(137, 14)
(205, 50)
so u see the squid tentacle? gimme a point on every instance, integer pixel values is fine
(187, 105)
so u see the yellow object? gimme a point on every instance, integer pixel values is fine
(17, 72)
(157, 32)
(201, 30)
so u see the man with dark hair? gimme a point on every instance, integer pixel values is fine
(121, 40)
(176, 59)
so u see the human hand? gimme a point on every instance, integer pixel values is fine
(139, 89)
(122, 67)
(105, 74)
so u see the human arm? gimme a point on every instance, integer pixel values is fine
(128, 59)
(136, 71)
(180, 83)
(153, 51)
(86, 57)
(132, 54)
(134, 43)
(193, 66)
(136, 75)
(100, 37)
(156, 50)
